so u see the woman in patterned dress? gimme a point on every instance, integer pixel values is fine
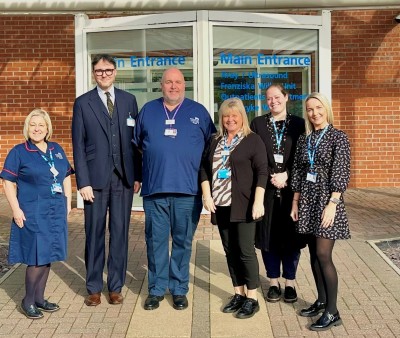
(321, 172)
(234, 173)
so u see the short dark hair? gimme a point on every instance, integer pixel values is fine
(105, 57)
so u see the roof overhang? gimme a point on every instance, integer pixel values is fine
(96, 6)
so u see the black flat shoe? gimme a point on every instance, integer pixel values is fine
(274, 294)
(313, 310)
(47, 306)
(326, 321)
(31, 312)
(180, 302)
(248, 309)
(290, 294)
(235, 304)
(152, 302)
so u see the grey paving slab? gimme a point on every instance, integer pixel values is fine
(369, 288)
(226, 324)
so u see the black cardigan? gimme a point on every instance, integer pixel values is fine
(249, 167)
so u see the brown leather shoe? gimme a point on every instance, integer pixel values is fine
(116, 298)
(93, 299)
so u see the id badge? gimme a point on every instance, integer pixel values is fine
(54, 171)
(170, 132)
(170, 121)
(130, 122)
(312, 177)
(225, 152)
(223, 174)
(56, 188)
(278, 158)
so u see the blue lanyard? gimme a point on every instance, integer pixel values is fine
(312, 150)
(228, 148)
(176, 111)
(50, 163)
(278, 134)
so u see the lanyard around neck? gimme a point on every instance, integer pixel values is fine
(51, 165)
(227, 148)
(311, 150)
(176, 111)
(278, 134)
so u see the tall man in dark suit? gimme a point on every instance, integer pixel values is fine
(108, 172)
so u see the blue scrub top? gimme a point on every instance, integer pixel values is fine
(171, 164)
(43, 239)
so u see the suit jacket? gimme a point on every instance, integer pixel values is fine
(90, 138)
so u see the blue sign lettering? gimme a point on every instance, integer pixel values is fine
(235, 59)
(149, 61)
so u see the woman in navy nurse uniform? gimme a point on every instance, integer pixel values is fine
(37, 184)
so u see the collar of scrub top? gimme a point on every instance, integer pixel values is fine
(29, 146)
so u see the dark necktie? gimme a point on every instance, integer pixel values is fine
(110, 105)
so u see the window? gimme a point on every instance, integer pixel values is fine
(142, 56)
(247, 60)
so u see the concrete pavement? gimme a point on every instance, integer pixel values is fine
(369, 287)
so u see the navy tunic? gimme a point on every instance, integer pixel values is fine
(43, 239)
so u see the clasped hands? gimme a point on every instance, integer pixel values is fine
(279, 180)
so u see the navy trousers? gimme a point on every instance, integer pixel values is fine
(178, 215)
(116, 198)
(289, 259)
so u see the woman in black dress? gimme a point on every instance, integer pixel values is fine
(321, 172)
(276, 234)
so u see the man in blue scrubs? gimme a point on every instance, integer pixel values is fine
(171, 132)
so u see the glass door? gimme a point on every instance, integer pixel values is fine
(246, 60)
(221, 54)
(143, 47)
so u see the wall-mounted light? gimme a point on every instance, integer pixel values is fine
(397, 18)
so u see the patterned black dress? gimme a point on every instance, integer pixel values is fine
(332, 166)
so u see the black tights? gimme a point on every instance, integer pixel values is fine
(324, 271)
(35, 283)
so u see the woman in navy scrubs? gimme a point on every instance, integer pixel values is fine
(37, 184)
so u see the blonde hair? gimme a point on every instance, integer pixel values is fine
(46, 118)
(236, 105)
(325, 103)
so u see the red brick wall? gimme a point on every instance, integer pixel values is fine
(37, 69)
(366, 93)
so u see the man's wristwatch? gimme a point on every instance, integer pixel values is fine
(334, 200)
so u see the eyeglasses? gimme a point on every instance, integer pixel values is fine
(100, 72)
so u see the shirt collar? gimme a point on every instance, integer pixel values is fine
(102, 92)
